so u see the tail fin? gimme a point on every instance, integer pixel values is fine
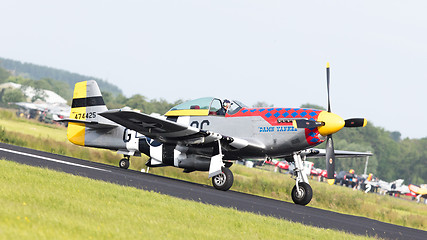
(87, 103)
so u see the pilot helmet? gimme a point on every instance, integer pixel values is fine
(225, 103)
(351, 171)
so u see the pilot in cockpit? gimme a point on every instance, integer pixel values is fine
(225, 106)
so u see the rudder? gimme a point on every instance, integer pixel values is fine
(87, 103)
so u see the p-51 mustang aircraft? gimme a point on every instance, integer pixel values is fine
(208, 134)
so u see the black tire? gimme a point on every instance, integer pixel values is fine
(306, 194)
(124, 163)
(224, 180)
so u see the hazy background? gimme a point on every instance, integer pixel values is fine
(271, 51)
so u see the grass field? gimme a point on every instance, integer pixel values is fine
(335, 198)
(36, 130)
(44, 204)
(253, 181)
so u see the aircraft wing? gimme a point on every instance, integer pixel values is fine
(159, 128)
(163, 130)
(313, 153)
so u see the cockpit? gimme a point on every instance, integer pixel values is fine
(206, 106)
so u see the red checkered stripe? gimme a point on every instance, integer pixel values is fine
(272, 114)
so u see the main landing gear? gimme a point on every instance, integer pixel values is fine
(301, 192)
(224, 180)
(124, 162)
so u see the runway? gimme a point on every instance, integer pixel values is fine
(207, 194)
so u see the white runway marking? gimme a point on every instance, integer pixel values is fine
(51, 159)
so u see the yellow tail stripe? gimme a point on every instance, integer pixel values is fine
(76, 131)
(80, 90)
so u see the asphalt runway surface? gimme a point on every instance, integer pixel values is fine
(208, 195)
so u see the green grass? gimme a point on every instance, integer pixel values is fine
(335, 198)
(31, 127)
(35, 130)
(43, 204)
(253, 181)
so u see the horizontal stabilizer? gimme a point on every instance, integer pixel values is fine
(91, 124)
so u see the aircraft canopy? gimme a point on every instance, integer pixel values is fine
(203, 107)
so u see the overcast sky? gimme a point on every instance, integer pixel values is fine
(271, 51)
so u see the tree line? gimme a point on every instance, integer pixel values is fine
(139, 102)
(394, 158)
(37, 72)
(112, 100)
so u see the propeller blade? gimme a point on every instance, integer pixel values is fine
(302, 123)
(328, 80)
(330, 159)
(355, 122)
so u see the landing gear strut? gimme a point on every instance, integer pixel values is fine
(301, 192)
(124, 162)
